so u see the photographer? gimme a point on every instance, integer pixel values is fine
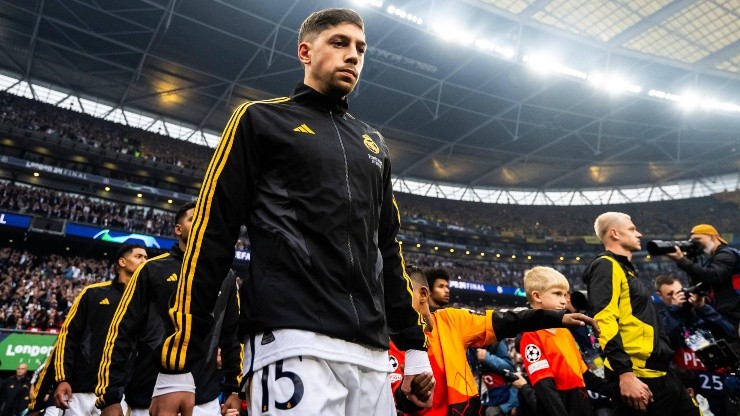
(684, 313)
(691, 324)
(719, 270)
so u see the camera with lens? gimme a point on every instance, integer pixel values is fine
(698, 289)
(511, 376)
(692, 248)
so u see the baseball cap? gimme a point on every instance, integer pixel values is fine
(707, 229)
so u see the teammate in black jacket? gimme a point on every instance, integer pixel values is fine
(313, 185)
(79, 346)
(41, 399)
(141, 322)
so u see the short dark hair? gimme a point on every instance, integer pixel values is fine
(579, 301)
(184, 209)
(434, 274)
(417, 276)
(124, 250)
(319, 21)
(664, 279)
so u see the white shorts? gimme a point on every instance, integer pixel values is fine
(212, 408)
(82, 404)
(51, 411)
(314, 386)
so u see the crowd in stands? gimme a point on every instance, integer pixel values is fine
(47, 203)
(35, 116)
(95, 211)
(36, 291)
(510, 273)
(664, 218)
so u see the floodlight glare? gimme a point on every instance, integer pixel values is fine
(688, 101)
(710, 104)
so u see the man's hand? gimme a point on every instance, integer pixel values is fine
(519, 382)
(697, 301)
(579, 319)
(419, 388)
(634, 392)
(172, 404)
(232, 406)
(480, 353)
(63, 395)
(679, 298)
(676, 255)
(114, 409)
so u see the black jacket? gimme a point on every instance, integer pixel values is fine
(632, 335)
(14, 395)
(313, 186)
(79, 346)
(143, 321)
(43, 386)
(717, 272)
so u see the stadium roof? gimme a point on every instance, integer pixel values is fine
(507, 94)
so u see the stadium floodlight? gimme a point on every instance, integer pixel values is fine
(614, 84)
(664, 95)
(450, 32)
(488, 46)
(710, 104)
(107, 189)
(688, 101)
(403, 14)
(36, 174)
(546, 64)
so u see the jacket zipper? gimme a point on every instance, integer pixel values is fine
(349, 207)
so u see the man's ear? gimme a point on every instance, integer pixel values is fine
(178, 230)
(423, 294)
(304, 53)
(121, 262)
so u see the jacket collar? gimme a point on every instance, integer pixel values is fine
(309, 97)
(176, 252)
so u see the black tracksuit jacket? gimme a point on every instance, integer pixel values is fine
(143, 322)
(79, 346)
(43, 386)
(313, 186)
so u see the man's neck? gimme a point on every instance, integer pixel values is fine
(619, 250)
(123, 278)
(435, 305)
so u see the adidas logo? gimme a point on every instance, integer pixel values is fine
(105, 302)
(304, 129)
(172, 278)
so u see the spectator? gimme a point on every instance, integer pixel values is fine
(14, 392)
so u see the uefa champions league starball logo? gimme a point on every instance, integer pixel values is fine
(532, 353)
